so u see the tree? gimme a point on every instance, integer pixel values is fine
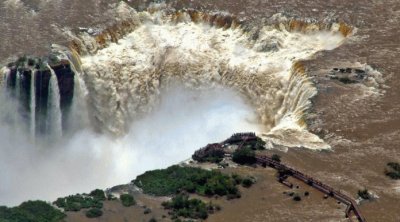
(127, 200)
(244, 156)
(276, 158)
(364, 194)
(31, 211)
(296, 197)
(247, 182)
(94, 212)
(98, 194)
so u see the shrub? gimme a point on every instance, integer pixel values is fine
(147, 211)
(31, 211)
(296, 197)
(364, 194)
(247, 182)
(259, 144)
(127, 200)
(238, 179)
(98, 194)
(176, 179)
(283, 173)
(111, 197)
(393, 170)
(78, 201)
(152, 220)
(213, 153)
(276, 158)
(94, 212)
(244, 156)
(182, 206)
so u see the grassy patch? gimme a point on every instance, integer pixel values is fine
(176, 179)
(31, 211)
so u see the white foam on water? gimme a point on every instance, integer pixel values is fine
(124, 79)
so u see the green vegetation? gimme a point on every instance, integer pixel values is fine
(176, 179)
(247, 182)
(31, 211)
(98, 194)
(296, 197)
(364, 194)
(209, 154)
(81, 201)
(111, 197)
(393, 170)
(238, 179)
(283, 173)
(244, 156)
(276, 158)
(127, 200)
(347, 80)
(257, 144)
(182, 206)
(94, 212)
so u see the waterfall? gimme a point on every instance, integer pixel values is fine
(54, 117)
(33, 104)
(6, 75)
(78, 118)
(17, 99)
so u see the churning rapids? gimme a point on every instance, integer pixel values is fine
(147, 92)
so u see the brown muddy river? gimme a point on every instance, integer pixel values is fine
(360, 124)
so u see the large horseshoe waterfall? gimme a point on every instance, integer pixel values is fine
(115, 96)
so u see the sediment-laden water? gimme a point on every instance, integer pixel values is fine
(113, 99)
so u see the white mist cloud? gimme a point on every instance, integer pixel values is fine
(183, 122)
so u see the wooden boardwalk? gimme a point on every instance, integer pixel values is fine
(265, 161)
(339, 196)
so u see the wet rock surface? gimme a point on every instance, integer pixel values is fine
(348, 75)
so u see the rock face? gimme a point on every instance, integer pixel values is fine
(19, 85)
(348, 75)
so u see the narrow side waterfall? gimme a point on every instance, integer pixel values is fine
(33, 104)
(78, 118)
(17, 101)
(54, 120)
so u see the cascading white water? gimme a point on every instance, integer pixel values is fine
(33, 104)
(54, 115)
(17, 95)
(124, 78)
(165, 89)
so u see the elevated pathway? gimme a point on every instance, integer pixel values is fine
(286, 171)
